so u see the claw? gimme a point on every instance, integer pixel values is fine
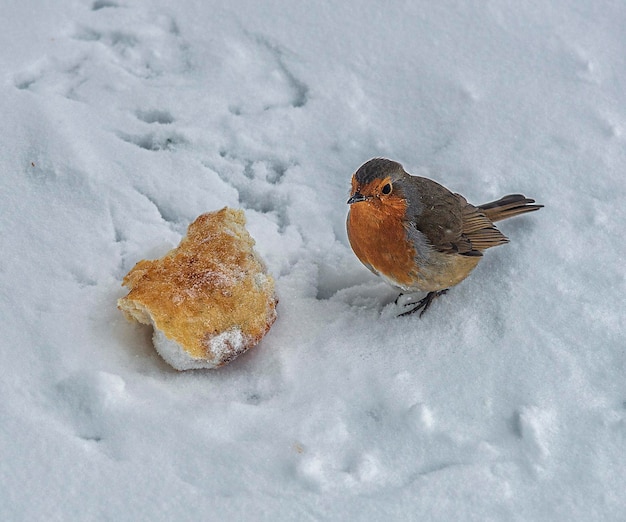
(424, 303)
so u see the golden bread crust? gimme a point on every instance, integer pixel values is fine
(211, 295)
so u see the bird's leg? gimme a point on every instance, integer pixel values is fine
(398, 298)
(424, 303)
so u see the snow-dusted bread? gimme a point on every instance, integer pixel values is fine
(209, 300)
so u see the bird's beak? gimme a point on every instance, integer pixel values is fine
(356, 198)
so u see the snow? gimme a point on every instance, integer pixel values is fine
(174, 354)
(123, 121)
(228, 344)
(220, 348)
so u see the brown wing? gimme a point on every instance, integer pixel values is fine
(439, 215)
(448, 221)
(479, 229)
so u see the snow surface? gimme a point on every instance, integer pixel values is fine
(221, 348)
(124, 120)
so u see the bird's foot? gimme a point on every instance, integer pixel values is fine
(422, 304)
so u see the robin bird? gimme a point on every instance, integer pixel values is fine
(416, 234)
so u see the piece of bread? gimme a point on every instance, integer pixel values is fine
(209, 300)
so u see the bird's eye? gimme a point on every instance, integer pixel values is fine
(386, 189)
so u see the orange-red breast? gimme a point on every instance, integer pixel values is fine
(416, 234)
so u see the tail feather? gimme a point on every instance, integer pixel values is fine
(508, 206)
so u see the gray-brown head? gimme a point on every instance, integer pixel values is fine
(376, 179)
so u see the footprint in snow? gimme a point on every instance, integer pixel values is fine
(91, 400)
(536, 429)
